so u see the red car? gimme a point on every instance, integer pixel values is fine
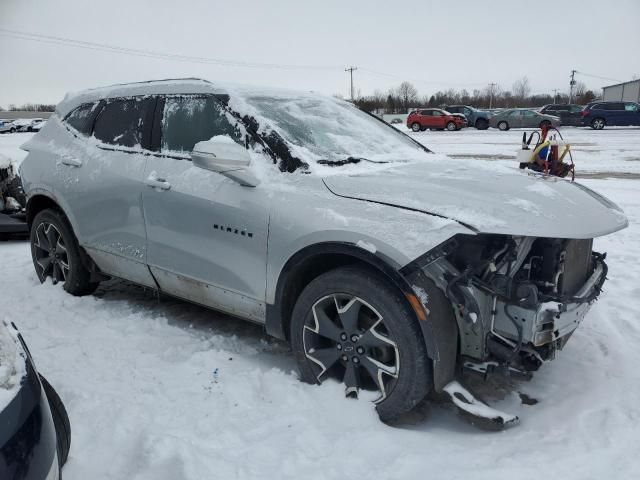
(435, 118)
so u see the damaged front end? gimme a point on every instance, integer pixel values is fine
(516, 299)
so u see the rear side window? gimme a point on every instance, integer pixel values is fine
(631, 107)
(125, 122)
(188, 120)
(82, 118)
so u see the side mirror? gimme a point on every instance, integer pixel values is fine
(224, 156)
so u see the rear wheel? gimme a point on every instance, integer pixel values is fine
(56, 253)
(451, 126)
(597, 123)
(349, 324)
(416, 127)
(504, 126)
(60, 421)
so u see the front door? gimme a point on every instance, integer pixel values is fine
(207, 235)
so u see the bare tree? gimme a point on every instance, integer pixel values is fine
(408, 95)
(521, 88)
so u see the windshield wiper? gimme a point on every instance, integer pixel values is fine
(339, 163)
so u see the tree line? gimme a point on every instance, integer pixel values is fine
(30, 107)
(406, 96)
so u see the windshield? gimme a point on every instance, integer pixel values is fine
(326, 130)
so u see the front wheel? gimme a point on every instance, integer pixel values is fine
(351, 325)
(56, 253)
(504, 126)
(416, 127)
(451, 126)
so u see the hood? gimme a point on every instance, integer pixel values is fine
(488, 199)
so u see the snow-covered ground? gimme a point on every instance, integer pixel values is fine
(163, 390)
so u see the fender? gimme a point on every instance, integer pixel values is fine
(437, 323)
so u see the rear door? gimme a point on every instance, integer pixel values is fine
(616, 114)
(207, 235)
(109, 206)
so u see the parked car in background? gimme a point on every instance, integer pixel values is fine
(384, 271)
(35, 434)
(597, 115)
(6, 126)
(435, 119)
(522, 118)
(569, 113)
(32, 125)
(475, 118)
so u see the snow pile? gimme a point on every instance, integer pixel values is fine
(12, 364)
(163, 390)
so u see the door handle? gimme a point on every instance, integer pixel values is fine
(71, 161)
(154, 181)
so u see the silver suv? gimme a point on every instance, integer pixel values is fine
(386, 266)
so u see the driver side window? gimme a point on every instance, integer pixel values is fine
(189, 119)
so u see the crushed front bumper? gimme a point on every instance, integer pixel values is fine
(551, 322)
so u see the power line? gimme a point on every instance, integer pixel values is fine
(598, 76)
(154, 54)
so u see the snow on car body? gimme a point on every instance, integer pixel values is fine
(334, 230)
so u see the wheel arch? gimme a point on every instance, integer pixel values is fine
(440, 333)
(38, 202)
(314, 260)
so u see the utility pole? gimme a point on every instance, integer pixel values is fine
(491, 87)
(571, 84)
(350, 70)
(555, 95)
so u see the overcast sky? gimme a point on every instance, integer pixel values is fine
(433, 44)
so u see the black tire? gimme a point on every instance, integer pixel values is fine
(60, 421)
(396, 325)
(416, 127)
(451, 126)
(503, 126)
(29, 129)
(64, 262)
(13, 130)
(482, 124)
(598, 123)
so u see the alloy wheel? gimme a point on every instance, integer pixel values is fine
(451, 126)
(415, 127)
(598, 124)
(50, 253)
(348, 340)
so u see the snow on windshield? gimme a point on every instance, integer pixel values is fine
(323, 128)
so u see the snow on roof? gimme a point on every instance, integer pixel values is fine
(170, 86)
(151, 87)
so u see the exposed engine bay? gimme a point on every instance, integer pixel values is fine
(516, 299)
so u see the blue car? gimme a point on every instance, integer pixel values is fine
(34, 427)
(597, 115)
